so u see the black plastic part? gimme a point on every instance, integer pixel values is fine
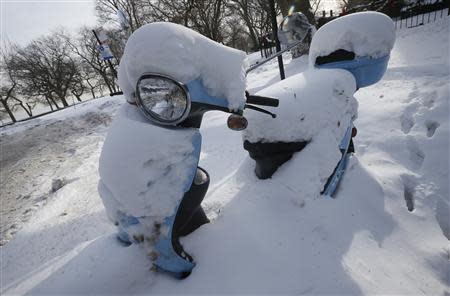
(247, 106)
(178, 275)
(336, 56)
(270, 156)
(351, 147)
(195, 116)
(190, 214)
(263, 101)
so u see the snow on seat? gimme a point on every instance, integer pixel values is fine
(368, 36)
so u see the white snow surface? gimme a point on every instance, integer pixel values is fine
(185, 55)
(270, 236)
(143, 168)
(370, 34)
(308, 103)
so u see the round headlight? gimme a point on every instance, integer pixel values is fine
(162, 99)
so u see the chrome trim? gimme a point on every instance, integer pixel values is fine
(149, 114)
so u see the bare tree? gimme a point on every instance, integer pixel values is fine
(237, 35)
(47, 69)
(179, 12)
(206, 17)
(315, 5)
(92, 66)
(134, 11)
(9, 98)
(255, 15)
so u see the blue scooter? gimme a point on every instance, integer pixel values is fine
(162, 203)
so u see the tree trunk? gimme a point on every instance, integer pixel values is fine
(91, 88)
(29, 110)
(11, 115)
(49, 103)
(78, 98)
(63, 100)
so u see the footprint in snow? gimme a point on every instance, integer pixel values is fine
(407, 122)
(416, 155)
(409, 189)
(429, 99)
(431, 127)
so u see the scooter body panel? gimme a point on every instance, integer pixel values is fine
(366, 70)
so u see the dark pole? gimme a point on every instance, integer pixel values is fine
(109, 61)
(275, 37)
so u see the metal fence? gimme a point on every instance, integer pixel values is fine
(409, 16)
(420, 19)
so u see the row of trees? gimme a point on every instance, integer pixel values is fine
(61, 68)
(55, 70)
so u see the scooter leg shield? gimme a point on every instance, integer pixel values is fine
(189, 216)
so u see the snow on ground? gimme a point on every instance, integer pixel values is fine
(386, 232)
(38, 157)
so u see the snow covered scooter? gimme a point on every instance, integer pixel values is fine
(346, 54)
(151, 184)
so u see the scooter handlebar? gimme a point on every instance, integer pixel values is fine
(263, 101)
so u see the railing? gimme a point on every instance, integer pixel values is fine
(412, 20)
(408, 16)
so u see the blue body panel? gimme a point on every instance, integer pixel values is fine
(198, 94)
(342, 165)
(366, 70)
(168, 259)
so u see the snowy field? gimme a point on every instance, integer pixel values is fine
(386, 232)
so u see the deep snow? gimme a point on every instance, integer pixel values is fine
(266, 236)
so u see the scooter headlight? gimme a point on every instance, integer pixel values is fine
(162, 99)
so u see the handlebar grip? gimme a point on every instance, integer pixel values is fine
(263, 101)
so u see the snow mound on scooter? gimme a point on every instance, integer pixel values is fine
(309, 102)
(370, 34)
(184, 55)
(145, 169)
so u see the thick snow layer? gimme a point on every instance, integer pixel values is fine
(369, 34)
(267, 237)
(184, 55)
(309, 102)
(143, 168)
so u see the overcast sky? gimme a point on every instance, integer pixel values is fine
(23, 20)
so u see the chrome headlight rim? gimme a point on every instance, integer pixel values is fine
(151, 115)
